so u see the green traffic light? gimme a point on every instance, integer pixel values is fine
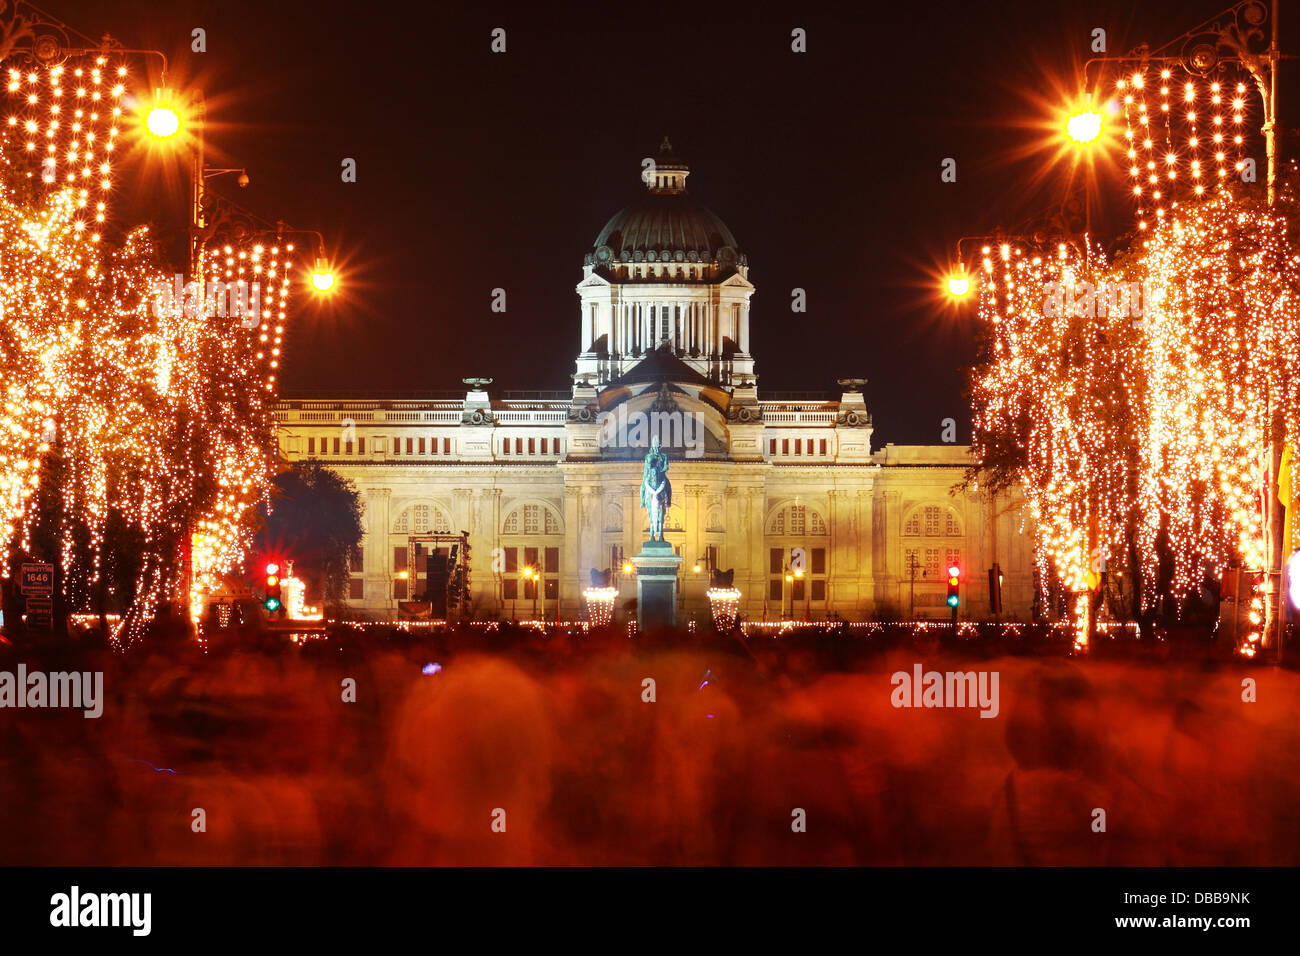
(271, 604)
(952, 600)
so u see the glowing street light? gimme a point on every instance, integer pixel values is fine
(163, 122)
(958, 284)
(322, 276)
(1084, 127)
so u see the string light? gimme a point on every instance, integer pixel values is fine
(1175, 123)
(1146, 428)
(724, 604)
(600, 605)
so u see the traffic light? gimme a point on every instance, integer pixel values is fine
(272, 601)
(954, 582)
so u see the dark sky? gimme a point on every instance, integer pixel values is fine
(478, 171)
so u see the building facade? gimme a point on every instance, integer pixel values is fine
(787, 492)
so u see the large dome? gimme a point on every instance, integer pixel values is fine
(665, 223)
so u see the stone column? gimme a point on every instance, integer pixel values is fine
(377, 556)
(570, 557)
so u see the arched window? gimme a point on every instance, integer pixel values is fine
(531, 520)
(797, 520)
(933, 521)
(422, 519)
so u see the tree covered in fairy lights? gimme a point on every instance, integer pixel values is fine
(1138, 403)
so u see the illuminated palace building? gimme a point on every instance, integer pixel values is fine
(543, 488)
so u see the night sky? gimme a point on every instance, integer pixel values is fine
(479, 170)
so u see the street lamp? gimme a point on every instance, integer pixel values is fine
(162, 121)
(1084, 126)
(322, 274)
(530, 574)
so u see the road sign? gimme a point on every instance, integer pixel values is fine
(37, 578)
(40, 613)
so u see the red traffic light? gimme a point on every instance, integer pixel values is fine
(272, 568)
(954, 571)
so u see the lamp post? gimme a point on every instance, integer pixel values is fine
(531, 575)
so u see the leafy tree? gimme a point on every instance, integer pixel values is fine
(315, 522)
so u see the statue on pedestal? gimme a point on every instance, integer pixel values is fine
(656, 490)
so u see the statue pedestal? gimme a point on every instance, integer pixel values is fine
(656, 585)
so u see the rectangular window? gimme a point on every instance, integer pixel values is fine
(505, 447)
(399, 559)
(356, 589)
(532, 446)
(798, 446)
(796, 589)
(347, 448)
(775, 560)
(446, 446)
(774, 592)
(552, 589)
(809, 444)
(519, 446)
(336, 446)
(545, 445)
(397, 445)
(822, 446)
(355, 562)
(399, 589)
(771, 446)
(510, 589)
(311, 446)
(530, 588)
(819, 590)
(818, 560)
(711, 555)
(512, 560)
(421, 446)
(410, 446)
(361, 446)
(552, 560)
(530, 558)
(785, 446)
